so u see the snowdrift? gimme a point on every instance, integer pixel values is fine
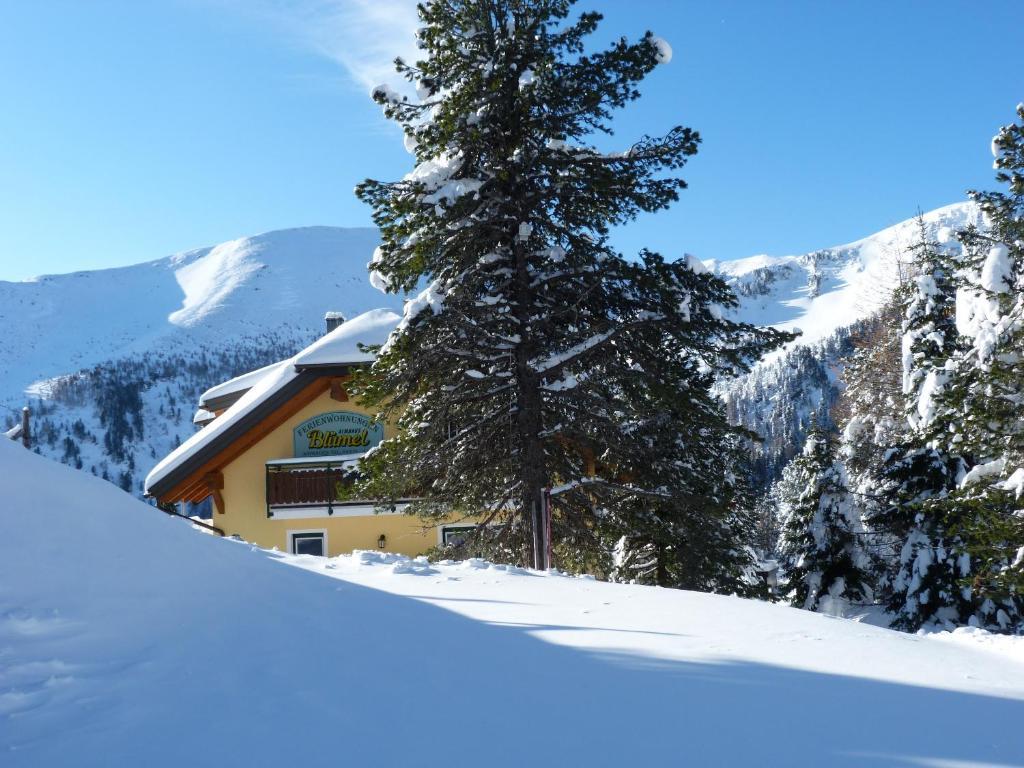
(111, 655)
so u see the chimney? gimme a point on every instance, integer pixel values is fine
(333, 320)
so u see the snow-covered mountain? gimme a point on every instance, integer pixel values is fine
(828, 295)
(278, 283)
(113, 360)
(129, 639)
(824, 291)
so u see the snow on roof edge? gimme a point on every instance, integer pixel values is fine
(237, 384)
(284, 373)
(341, 345)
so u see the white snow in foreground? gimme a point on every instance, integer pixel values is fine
(127, 638)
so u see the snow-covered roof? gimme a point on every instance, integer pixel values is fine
(236, 385)
(274, 380)
(203, 416)
(339, 347)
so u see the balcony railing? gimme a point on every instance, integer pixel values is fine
(313, 486)
(322, 484)
(312, 483)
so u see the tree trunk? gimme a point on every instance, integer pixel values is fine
(661, 571)
(532, 470)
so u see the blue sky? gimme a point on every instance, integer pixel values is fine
(132, 130)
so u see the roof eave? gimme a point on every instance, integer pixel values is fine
(331, 369)
(223, 402)
(207, 453)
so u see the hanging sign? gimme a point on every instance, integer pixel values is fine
(337, 433)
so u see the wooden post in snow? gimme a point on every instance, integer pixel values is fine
(25, 437)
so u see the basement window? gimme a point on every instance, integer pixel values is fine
(456, 535)
(308, 543)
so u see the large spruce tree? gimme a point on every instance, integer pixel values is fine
(536, 356)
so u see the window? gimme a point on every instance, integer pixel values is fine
(308, 543)
(454, 535)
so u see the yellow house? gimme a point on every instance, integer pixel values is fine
(278, 444)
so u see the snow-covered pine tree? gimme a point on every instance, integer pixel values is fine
(871, 413)
(929, 327)
(537, 355)
(984, 398)
(916, 473)
(825, 565)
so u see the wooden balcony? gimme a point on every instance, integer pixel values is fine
(312, 483)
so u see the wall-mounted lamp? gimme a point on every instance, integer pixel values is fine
(382, 541)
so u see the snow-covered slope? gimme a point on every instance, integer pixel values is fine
(108, 658)
(823, 291)
(827, 295)
(280, 282)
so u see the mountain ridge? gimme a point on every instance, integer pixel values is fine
(281, 281)
(115, 359)
(222, 291)
(821, 291)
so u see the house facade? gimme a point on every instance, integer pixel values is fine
(278, 449)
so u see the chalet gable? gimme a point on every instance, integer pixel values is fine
(258, 402)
